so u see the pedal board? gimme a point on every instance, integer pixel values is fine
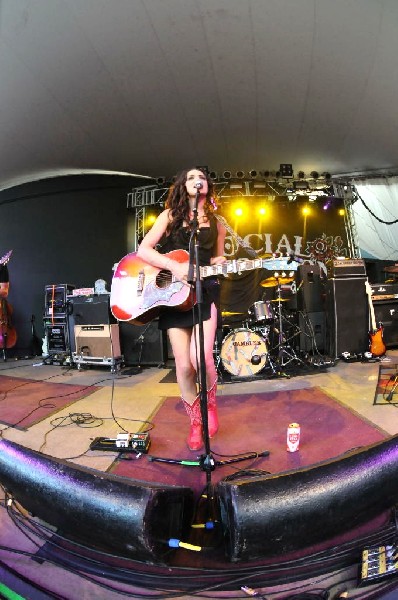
(378, 563)
(135, 442)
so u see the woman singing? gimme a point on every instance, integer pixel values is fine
(172, 231)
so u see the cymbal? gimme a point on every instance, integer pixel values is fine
(281, 300)
(275, 281)
(270, 282)
(392, 269)
(227, 313)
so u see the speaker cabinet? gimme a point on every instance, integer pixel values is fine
(347, 316)
(310, 289)
(98, 340)
(386, 312)
(143, 344)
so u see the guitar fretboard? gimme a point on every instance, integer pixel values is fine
(243, 264)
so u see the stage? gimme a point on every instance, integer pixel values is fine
(59, 411)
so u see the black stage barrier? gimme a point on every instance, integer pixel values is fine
(276, 514)
(129, 517)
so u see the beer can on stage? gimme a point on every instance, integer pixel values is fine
(293, 437)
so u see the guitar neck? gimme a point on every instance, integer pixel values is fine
(371, 307)
(238, 266)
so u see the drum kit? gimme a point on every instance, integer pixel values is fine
(263, 341)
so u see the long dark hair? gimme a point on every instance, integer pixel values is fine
(178, 199)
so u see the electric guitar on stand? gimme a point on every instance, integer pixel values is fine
(139, 291)
(376, 343)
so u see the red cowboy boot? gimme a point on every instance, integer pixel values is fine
(212, 415)
(195, 438)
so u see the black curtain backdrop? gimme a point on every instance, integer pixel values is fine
(64, 230)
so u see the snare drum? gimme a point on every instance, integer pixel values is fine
(261, 312)
(244, 352)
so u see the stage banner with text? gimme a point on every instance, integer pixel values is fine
(284, 231)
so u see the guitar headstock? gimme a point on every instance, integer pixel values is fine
(4, 259)
(368, 289)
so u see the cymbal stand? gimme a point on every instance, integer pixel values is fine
(286, 354)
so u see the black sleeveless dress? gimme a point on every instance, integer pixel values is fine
(179, 240)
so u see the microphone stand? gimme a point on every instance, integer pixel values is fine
(206, 461)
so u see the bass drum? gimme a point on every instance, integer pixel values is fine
(244, 353)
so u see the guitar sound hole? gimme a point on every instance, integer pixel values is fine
(164, 279)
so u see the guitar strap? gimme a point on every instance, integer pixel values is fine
(236, 237)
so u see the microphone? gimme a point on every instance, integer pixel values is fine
(198, 185)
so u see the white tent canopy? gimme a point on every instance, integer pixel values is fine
(375, 214)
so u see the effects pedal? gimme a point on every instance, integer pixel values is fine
(378, 563)
(124, 442)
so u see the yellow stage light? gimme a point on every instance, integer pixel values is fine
(341, 212)
(262, 211)
(238, 211)
(151, 219)
(306, 210)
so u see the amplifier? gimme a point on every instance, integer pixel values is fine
(383, 292)
(90, 310)
(348, 267)
(97, 340)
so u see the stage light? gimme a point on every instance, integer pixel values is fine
(327, 176)
(327, 204)
(265, 173)
(341, 212)
(238, 211)
(301, 174)
(253, 174)
(306, 210)
(227, 174)
(286, 170)
(151, 219)
(262, 211)
(160, 180)
(213, 175)
(240, 174)
(314, 174)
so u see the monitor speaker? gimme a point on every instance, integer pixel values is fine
(118, 515)
(347, 316)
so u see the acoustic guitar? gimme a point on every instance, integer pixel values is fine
(376, 342)
(139, 291)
